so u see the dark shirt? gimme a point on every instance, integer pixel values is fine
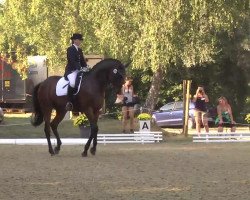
(200, 104)
(75, 60)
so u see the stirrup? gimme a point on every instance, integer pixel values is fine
(69, 106)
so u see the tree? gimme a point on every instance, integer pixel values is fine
(152, 33)
(42, 27)
(157, 33)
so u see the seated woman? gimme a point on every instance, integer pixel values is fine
(225, 116)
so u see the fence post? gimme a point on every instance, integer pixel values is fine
(186, 99)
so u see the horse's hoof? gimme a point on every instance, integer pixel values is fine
(56, 150)
(52, 153)
(92, 151)
(84, 154)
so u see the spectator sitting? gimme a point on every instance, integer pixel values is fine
(225, 116)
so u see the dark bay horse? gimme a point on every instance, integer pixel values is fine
(89, 100)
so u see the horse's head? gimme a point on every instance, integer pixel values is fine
(117, 76)
(110, 71)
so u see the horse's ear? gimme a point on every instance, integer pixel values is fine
(127, 64)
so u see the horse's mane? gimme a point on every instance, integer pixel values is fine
(106, 63)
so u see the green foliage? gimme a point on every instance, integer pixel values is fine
(119, 116)
(248, 118)
(144, 31)
(81, 120)
(167, 34)
(144, 116)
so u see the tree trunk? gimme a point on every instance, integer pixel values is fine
(154, 90)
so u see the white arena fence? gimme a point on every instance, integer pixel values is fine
(222, 137)
(137, 137)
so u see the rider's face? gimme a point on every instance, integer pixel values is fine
(77, 42)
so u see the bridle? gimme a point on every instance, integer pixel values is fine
(116, 71)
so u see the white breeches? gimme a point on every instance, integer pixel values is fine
(72, 78)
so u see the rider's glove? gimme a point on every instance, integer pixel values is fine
(85, 69)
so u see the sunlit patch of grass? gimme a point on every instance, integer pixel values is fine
(18, 126)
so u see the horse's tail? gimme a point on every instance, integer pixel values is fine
(37, 116)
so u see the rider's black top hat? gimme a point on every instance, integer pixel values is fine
(76, 36)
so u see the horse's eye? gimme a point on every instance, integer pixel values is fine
(115, 71)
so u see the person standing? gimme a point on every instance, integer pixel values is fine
(128, 105)
(75, 62)
(225, 115)
(200, 99)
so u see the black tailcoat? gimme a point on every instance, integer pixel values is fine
(75, 60)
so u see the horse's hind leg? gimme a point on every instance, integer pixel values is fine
(54, 124)
(47, 117)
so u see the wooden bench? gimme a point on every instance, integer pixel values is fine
(222, 137)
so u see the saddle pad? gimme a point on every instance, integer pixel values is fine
(62, 87)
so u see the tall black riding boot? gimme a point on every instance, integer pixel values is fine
(69, 105)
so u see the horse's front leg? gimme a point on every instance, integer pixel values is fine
(95, 132)
(86, 148)
(93, 135)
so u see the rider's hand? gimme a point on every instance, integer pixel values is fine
(85, 69)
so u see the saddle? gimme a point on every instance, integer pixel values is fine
(62, 84)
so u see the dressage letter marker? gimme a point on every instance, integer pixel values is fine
(145, 126)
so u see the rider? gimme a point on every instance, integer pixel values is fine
(75, 62)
